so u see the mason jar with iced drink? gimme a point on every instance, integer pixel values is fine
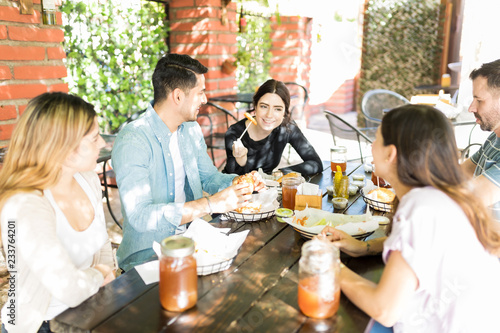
(319, 287)
(178, 276)
(289, 187)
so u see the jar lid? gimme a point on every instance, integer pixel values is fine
(177, 246)
(339, 149)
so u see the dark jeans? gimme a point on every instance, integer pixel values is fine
(45, 328)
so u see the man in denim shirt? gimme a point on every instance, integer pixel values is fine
(485, 163)
(162, 166)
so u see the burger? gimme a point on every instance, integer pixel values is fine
(247, 179)
(382, 194)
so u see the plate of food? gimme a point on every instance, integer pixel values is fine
(311, 221)
(378, 198)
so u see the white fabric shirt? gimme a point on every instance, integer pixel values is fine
(80, 245)
(458, 280)
(179, 174)
(44, 268)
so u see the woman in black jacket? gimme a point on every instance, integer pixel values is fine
(263, 144)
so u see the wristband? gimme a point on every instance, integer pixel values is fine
(209, 206)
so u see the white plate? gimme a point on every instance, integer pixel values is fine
(382, 220)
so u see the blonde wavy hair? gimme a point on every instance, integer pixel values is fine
(50, 128)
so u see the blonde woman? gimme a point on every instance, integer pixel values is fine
(51, 211)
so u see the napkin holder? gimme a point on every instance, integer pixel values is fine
(305, 197)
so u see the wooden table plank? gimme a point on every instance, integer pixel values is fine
(110, 299)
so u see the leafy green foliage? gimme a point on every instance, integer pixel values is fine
(254, 54)
(402, 45)
(112, 51)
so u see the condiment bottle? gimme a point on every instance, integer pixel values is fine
(319, 289)
(178, 278)
(338, 156)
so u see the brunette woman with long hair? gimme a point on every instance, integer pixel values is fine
(442, 269)
(263, 144)
(51, 200)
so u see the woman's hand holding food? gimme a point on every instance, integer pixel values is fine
(240, 152)
(343, 241)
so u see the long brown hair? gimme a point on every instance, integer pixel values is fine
(427, 155)
(50, 128)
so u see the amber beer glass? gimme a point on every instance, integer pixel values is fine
(338, 156)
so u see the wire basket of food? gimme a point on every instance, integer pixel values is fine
(214, 268)
(384, 199)
(249, 217)
(261, 207)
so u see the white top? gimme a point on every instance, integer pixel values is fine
(80, 245)
(44, 268)
(458, 281)
(179, 173)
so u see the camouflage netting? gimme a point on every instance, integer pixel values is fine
(402, 45)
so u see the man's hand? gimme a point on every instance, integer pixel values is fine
(235, 196)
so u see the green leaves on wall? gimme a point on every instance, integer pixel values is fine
(112, 51)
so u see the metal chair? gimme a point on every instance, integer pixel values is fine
(376, 102)
(216, 130)
(298, 99)
(468, 150)
(342, 129)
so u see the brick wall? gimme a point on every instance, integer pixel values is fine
(206, 30)
(197, 29)
(291, 49)
(31, 61)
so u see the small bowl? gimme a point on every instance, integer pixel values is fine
(352, 189)
(368, 167)
(358, 177)
(329, 190)
(339, 203)
(358, 183)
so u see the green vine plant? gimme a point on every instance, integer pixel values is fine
(253, 58)
(112, 50)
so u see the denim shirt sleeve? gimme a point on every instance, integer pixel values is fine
(198, 165)
(134, 165)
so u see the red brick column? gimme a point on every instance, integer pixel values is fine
(30, 61)
(291, 49)
(206, 30)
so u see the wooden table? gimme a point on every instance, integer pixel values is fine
(258, 293)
